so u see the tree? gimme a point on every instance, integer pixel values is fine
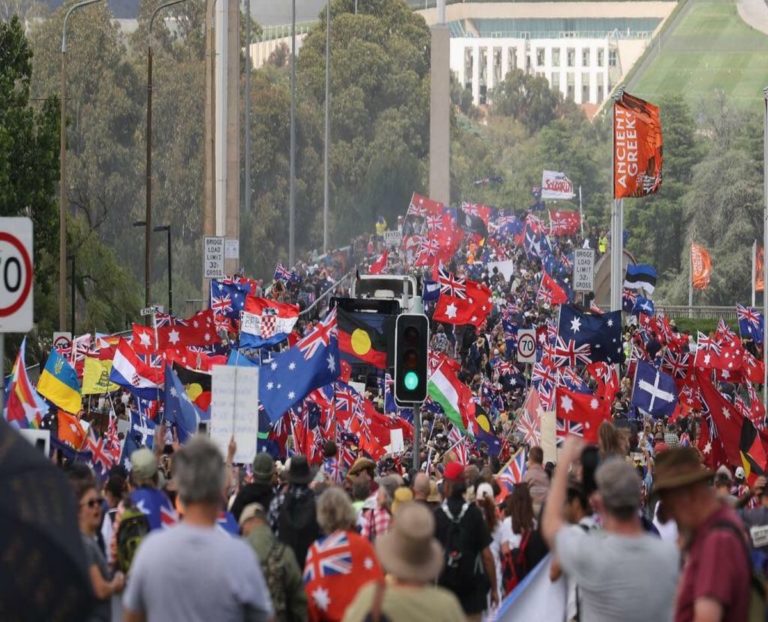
(28, 156)
(527, 98)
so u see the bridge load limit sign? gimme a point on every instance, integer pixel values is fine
(16, 274)
(213, 258)
(583, 270)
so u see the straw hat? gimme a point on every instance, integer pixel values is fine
(409, 550)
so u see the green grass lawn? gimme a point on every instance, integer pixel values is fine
(710, 49)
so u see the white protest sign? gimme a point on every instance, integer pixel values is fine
(555, 185)
(235, 410)
(507, 268)
(583, 269)
(396, 442)
(548, 436)
(393, 238)
(213, 258)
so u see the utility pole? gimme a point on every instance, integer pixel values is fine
(440, 110)
(292, 148)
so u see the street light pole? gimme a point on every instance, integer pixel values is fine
(148, 207)
(63, 167)
(292, 156)
(326, 146)
(71, 258)
(167, 229)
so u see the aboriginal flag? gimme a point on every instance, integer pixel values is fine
(362, 338)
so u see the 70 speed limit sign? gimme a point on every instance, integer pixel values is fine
(526, 346)
(16, 273)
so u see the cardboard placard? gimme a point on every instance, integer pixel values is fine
(235, 410)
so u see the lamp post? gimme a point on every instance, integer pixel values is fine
(292, 147)
(148, 208)
(63, 167)
(326, 146)
(167, 229)
(71, 259)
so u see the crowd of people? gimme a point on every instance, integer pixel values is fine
(179, 532)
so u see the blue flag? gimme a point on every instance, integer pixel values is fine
(640, 276)
(751, 324)
(601, 332)
(313, 362)
(643, 305)
(142, 431)
(227, 299)
(180, 409)
(654, 392)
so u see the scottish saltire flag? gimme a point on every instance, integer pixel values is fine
(643, 305)
(512, 472)
(601, 332)
(289, 377)
(266, 322)
(751, 323)
(180, 409)
(640, 276)
(654, 392)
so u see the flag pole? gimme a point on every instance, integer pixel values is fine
(690, 281)
(617, 242)
(581, 215)
(754, 270)
(765, 234)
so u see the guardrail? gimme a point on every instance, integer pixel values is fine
(697, 313)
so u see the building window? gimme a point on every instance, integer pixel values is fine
(555, 57)
(570, 89)
(585, 57)
(584, 88)
(540, 57)
(600, 94)
(571, 57)
(497, 77)
(512, 58)
(468, 66)
(600, 57)
(613, 58)
(554, 83)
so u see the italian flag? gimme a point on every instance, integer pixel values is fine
(454, 396)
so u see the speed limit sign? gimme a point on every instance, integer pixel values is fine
(16, 273)
(526, 346)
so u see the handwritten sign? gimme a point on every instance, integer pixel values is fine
(235, 410)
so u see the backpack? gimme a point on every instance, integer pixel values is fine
(757, 584)
(134, 526)
(297, 524)
(459, 570)
(274, 576)
(513, 565)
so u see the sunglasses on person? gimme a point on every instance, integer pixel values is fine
(92, 503)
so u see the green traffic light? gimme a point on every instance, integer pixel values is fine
(411, 380)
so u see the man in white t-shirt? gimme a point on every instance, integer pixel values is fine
(622, 572)
(194, 571)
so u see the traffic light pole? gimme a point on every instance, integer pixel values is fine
(416, 438)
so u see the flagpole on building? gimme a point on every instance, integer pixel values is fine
(617, 242)
(765, 236)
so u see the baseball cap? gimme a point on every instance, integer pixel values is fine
(618, 484)
(143, 464)
(453, 471)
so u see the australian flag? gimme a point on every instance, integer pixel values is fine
(751, 323)
(654, 392)
(601, 332)
(227, 299)
(289, 377)
(179, 408)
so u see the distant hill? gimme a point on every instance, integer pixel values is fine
(707, 46)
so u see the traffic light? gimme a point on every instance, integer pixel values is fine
(411, 344)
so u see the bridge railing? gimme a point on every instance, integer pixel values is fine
(697, 313)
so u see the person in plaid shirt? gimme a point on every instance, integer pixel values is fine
(377, 515)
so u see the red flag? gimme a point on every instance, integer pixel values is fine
(637, 147)
(710, 445)
(424, 206)
(483, 212)
(701, 266)
(564, 222)
(198, 330)
(585, 408)
(378, 266)
(473, 309)
(550, 291)
(760, 269)
(607, 378)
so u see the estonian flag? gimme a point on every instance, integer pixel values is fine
(640, 276)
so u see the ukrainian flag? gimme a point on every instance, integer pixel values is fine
(58, 383)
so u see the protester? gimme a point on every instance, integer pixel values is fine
(715, 584)
(278, 564)
(501, 534)
(339, 563)
(296, 524)
(469, 571)
(421, 487)
(194, 571)
(596, 561)
(261, 489)
(536, 477)
(104, 584)
(412, 559)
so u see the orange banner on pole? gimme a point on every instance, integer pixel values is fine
(637, 147)
(760, 269)
(701, 266)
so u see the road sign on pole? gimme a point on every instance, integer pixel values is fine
(16, 274)
(526, 346)
(62, 341)
(213, 258)
(583, 270)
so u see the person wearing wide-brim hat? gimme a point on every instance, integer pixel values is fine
(715, 583)
(412, 558)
